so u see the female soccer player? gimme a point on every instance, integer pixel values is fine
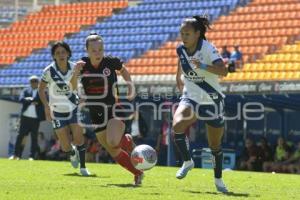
(63, 103)
(99, 78)
(199, 66)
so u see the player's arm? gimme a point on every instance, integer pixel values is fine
(218, 68)
(126, 76)
(76, 72)
(179, 82)
(43, 98)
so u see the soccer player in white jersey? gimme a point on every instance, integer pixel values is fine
(199, 67)
(62, 106)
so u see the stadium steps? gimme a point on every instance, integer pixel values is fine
(50, 24)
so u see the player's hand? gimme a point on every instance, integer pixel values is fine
(48, 113)
(28, 98)
(198, 65)
(195, 62)
(78, 66)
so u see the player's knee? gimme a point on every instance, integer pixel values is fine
(113, 143)
(66, 147)
(179, 126)
(78, 140)
(215, 146)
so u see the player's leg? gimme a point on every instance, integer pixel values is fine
(78, 140)
(111, 139)
(65, 143)
(183, 118)
(34, 138)
(214, 136)
(23, 131)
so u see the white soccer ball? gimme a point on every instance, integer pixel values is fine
(143, 157)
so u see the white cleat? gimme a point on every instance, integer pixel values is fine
(13, 158)
(186, 167)
(84, 172)
(74, 158)
(221, 187)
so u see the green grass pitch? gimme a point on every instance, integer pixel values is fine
(43, 180)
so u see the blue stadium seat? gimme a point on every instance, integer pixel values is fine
(132, 31)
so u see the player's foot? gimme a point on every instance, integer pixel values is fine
(138, 179)
(30, 159)
(129, 148)
(84, 172)
(13, 158)
(221, 187)
(74, 158)
(186, 167)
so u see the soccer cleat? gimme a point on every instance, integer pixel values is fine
(220, 185)
(74, 158)
(13, 158)
(84, 172)
(138, 179)
(186, 167)
(30, 159)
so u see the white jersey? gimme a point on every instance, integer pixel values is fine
(200, 85)
(61, 98)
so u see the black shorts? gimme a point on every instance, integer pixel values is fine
(101, 115)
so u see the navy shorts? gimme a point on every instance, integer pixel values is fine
(212, 114)
(64, 119)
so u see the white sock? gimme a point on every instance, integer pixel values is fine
(219, 181)
(187, 163)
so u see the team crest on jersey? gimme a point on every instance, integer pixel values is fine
(106, 71)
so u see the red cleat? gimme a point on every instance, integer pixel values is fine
(138, 179)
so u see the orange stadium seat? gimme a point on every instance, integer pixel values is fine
(45, 25)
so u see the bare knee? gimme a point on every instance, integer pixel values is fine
(179, 126)
(66, 147)
(113, 143)
(78, 140)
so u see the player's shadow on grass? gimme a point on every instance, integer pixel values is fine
(234, 194)
(123, 185)
(91, 176)
(126, 185)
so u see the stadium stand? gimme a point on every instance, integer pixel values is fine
(37, 29)
(128, 34)
(259, 28)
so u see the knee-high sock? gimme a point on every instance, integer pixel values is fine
(81, 149)
(183, 147)
(123, 159)
(126, 143)
(217, 160)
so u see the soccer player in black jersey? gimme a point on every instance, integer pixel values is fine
(98, 78)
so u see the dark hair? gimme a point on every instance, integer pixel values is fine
(199, 23)
(61, 44)
(93, 36)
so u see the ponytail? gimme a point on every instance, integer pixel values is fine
(200, 23)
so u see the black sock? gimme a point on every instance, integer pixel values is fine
(81, 149)
(182, 144)
(217, 160)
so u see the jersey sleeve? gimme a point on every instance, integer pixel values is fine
(46, 75)
(115, 63)
(213, 53)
